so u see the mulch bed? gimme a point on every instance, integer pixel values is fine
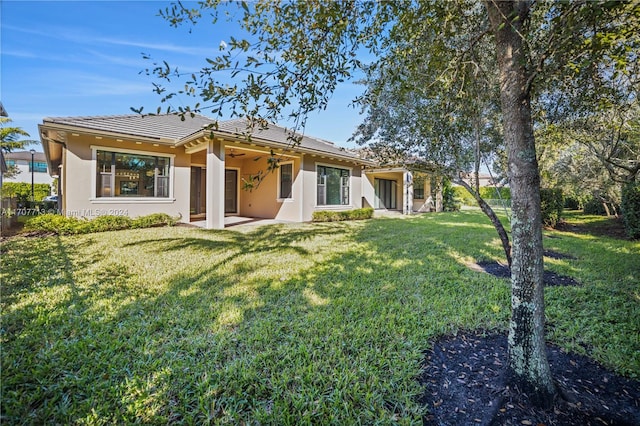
(463, 379)
(550, 278)
(502, 271)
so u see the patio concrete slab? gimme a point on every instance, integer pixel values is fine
(230, 221)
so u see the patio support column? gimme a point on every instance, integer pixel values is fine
(215, 185)
(407, 193)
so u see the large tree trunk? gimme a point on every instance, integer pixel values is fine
(528, 366)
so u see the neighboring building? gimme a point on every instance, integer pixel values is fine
(136, 165)
(484, 179)
(22, 160)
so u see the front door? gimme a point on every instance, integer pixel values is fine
(230, 191)
(386, 194)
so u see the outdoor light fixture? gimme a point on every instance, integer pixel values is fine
(33, 151)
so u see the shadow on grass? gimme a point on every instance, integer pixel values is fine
(274, 325)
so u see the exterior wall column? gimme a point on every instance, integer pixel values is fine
(215, 185)
(407, 193)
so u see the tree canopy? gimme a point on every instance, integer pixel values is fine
(439, 74)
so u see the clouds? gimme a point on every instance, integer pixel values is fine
(86, 58)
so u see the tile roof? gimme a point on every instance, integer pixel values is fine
(24, 155)
(165, 126)
(280, 135)
(171, 128)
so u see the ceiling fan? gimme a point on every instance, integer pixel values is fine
(232, 155)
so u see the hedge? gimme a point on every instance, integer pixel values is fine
(551, 204)
(489, 192)
(631, 209)
(595, 206)
(66, 225)
(337, 216)
(486, 192)
(464, 196)
(22, 191)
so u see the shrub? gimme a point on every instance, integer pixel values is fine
(631, 209)
(336, 216)
(449, 202)
(596, 206)
(486, 192)
(58, 224)
(491, 193)
(64, 225)
(22, 191)
(463, 196)
(551, 204)
(110, 223)
(573, 202)
(153, 220)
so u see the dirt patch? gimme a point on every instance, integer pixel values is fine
(502, 271)
(463, 379)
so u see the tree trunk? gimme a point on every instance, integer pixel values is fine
(439, 206)
(528, 366)
(486, 208)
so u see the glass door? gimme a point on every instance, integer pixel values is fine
(386, 194)
(230, 191)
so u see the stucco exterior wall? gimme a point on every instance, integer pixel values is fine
(79, 181)
(427, 203)
(369, 188)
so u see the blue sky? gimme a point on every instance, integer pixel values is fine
(72, 58)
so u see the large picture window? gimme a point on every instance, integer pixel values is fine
(333, 186)
(286, 180)
(131, 175)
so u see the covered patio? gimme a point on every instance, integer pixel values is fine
(231, 221)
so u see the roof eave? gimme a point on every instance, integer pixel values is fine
(52, 150)
(267, 143)
(105, 133)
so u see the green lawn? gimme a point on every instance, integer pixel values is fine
(311, 323)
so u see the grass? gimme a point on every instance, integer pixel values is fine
(311, 323)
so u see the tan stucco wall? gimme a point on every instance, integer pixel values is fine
(79, 181)
(424, 204)
(369, 188)
(263, 201)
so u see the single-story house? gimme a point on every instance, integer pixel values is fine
(202, 170)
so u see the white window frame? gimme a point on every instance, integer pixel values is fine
(334, 206)
(280, 198)
(130, 200)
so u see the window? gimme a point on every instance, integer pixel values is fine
(131, 175)
(11, 163)
(286, 180)
(38, 167)
(333, 186)
(418, 189)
